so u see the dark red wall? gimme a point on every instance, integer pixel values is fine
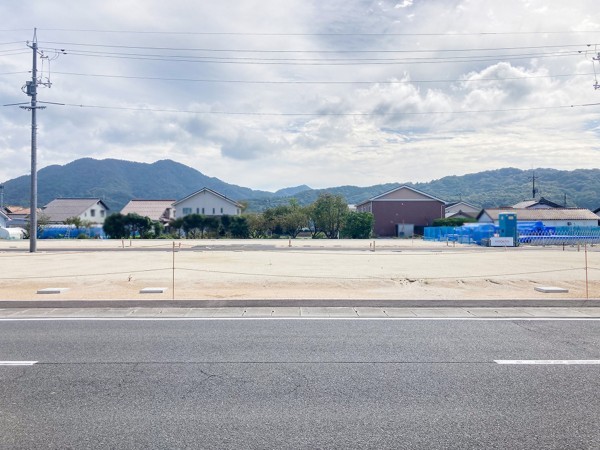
(387, 214)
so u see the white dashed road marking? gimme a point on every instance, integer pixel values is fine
(17, 363)
(547, 361)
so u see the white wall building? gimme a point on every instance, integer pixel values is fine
(93, 210)
(208, 203)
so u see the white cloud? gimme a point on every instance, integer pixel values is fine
(408, 120)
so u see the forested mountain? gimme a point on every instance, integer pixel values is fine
(117, 182)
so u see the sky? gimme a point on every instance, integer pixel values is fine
(277, 93)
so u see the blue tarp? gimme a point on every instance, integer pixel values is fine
(70, 232)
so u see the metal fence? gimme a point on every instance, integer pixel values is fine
(544, 236)
(562, 236)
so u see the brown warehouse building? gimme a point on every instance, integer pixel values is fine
(403, 211)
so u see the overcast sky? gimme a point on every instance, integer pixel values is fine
(275, 93)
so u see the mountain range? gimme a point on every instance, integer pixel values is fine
(116, 182)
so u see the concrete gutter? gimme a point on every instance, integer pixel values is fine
(279, 303)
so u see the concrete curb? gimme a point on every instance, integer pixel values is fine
(279, 303)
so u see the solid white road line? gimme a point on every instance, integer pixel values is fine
(362, 319)
(548, 361)
(17, 363)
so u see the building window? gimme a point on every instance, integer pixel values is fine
(221, 210)
(101, 213)
(197, 210)
(213, 211)
(93, 212)
(202, 210)
(187, 211)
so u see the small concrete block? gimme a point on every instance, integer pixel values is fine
(153, 290)
(551, 290)
(56, 290)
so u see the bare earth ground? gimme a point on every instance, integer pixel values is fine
(297, 269)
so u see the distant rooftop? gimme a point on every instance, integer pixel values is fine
(154, 209)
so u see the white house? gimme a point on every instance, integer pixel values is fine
(550, 217)
(206, 202)
(93, 210)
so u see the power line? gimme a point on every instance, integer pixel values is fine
(206, 80)
(225, 33)
(314, 62)
(13, 53)
(325, 114)
(203, 49)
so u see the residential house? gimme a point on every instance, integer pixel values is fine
(18, 216)
(206, 202)
(461, 210)
(4, 219)
(59, 210)
(402, 211)
(157, 210)
(542, 203)
(550, 217)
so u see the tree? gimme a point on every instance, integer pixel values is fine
(328, 214)
(138, 225)
(452, 221)
(286, 219)
(211, 224)
(114, 226)
(239, 227)
(75, 220)
(257, 227)
(176, 225)
(225, 225)
(358, 225)
(193, 226)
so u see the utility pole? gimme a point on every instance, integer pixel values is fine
(32, 92)
(30, 89)
(534, 191)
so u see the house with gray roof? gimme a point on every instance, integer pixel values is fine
(550, 217)
(206, 202)
(461, 209)
(92, 210)
(157, 210)
(542, 203)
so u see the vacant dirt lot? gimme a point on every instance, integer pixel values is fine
(296, 269)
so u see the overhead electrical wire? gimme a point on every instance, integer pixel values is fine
(293, 82)
(202, 49)
(326, 114)
(225, 33)
(316, 62)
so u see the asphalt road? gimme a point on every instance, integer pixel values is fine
(299, 384)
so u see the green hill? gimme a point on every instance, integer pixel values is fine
(117, 182)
